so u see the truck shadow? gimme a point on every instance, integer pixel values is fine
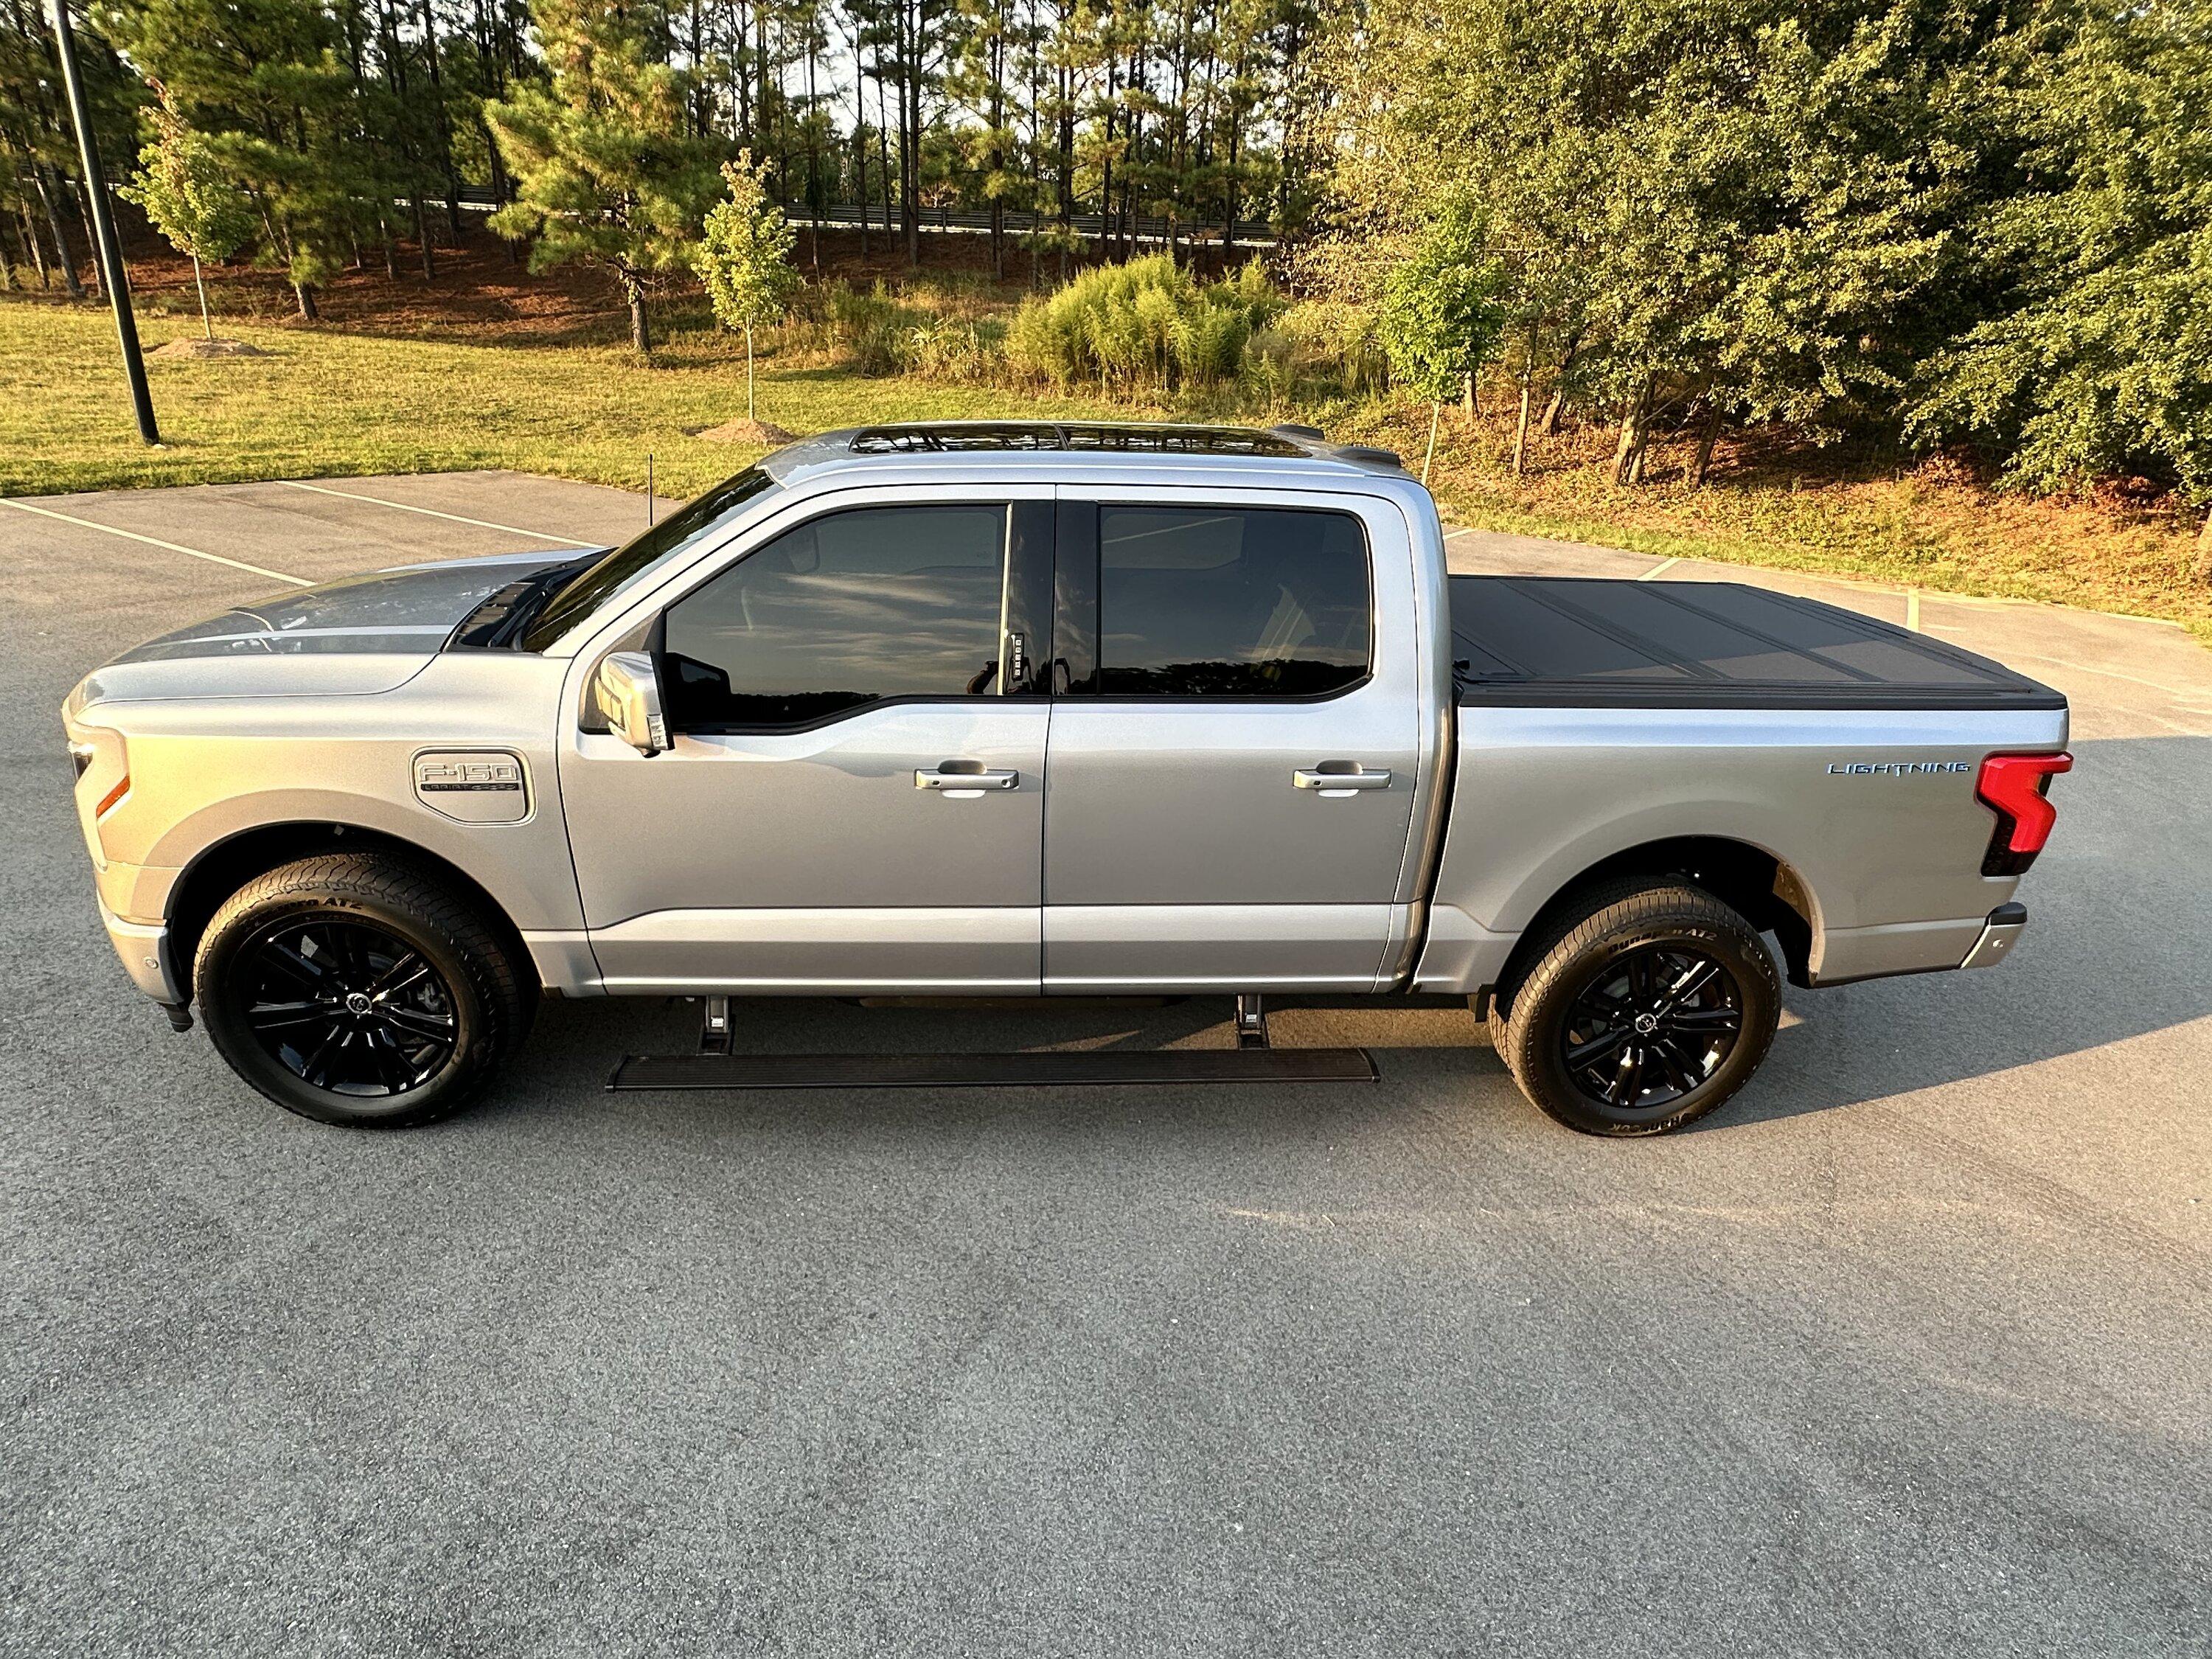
(2119, 946)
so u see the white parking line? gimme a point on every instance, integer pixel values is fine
(2174, 691)
(1454, 535)
(156, 541)
(1663, 564)
(433, 513)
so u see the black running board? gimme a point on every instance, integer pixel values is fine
(1052, 1068)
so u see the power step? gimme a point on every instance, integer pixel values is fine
(1253, 1061)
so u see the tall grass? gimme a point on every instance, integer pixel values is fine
(1145, 326)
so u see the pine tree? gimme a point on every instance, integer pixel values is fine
(264, 82)
(606, 169)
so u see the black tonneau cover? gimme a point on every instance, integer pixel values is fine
(1570, 640)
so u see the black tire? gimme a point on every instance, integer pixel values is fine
(358, 989)
(1625, 953)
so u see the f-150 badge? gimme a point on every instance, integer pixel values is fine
(475, 786)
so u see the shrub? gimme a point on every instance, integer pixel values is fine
(1145, 323)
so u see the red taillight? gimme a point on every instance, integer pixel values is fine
(2015, 786)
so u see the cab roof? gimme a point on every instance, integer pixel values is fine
(1082, 443)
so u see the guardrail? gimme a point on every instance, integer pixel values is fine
(971, 221)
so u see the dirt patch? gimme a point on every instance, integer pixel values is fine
(753, 434)
(189, 347)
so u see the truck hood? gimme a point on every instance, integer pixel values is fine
(353, 637)
(350, 638)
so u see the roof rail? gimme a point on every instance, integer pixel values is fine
(1100, 435)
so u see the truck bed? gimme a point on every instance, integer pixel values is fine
(1575, 641)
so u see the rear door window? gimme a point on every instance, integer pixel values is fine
(1229, 602)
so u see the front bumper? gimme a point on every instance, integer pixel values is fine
(144, 950)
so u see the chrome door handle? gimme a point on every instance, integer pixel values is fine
(964, 778)
(1325, 779)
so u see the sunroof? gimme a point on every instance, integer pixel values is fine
(1023, 435)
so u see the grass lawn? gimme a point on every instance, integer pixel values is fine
(361, 397)
(326, 403)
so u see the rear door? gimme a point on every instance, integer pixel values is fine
(1234, 744)
(854, 801)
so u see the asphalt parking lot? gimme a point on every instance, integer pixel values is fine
(1908, 1351)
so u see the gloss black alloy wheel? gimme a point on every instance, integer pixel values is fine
(1654, 1025)
(1637, 1007)
(347, 1006)
(362, 989)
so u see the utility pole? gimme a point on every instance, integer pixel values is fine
(112, 276)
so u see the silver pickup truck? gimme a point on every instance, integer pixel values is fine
(1021, 710)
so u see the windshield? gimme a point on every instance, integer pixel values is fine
(703, 515)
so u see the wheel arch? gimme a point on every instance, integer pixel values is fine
(1764, 888)
(221, 869)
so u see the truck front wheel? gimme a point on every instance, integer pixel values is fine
(356, 989)
(1641, 1009)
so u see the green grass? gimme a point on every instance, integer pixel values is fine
(328, 403)
(325, 404)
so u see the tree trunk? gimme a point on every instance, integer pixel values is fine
(206, 326)
(2202, 568)
(445, 164)
(1521, 430)
(91, 241)
(423, 238)
(1558, 406)
(1628, 452)
(1436, 420)
(860, 189)
(309, 313)
(38, 248)
(1468, 410)
(751, 414)
(640, 338)
(65, 259)
(1706, 438)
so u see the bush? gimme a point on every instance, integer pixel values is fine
(1317, 345)
(1143, 324)
(941, 328)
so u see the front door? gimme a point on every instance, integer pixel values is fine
(1233, 760)
(854, 802)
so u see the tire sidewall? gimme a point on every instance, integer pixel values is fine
(221, 1007)
(1541, 1008)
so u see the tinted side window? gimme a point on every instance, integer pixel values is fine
(852, 608)
(1230, 602)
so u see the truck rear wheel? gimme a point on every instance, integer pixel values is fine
(1641, 1009)
(358, 990)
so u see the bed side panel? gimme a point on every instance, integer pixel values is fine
(1892, 859)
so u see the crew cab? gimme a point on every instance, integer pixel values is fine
(1018, 709)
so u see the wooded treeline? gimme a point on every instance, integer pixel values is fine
(1921, 220)
(1916, 221)
(331, 112)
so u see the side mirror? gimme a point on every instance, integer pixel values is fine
(627, 691)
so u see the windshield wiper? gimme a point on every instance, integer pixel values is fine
(500, 620)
